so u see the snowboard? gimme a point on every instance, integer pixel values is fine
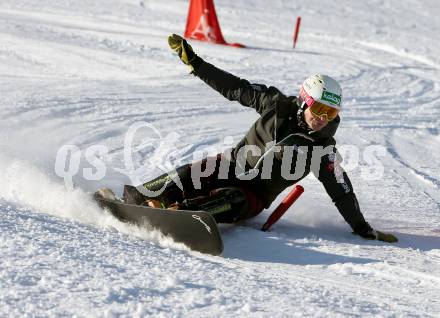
(196, 229)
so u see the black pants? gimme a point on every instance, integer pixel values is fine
(220, 193)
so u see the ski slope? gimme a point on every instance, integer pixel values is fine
(81, 73)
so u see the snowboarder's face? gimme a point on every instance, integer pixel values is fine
(314, 122)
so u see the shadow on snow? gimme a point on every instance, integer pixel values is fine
(298, 245)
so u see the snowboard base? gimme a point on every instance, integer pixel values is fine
(196, 229)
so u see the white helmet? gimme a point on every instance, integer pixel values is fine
(323, 89)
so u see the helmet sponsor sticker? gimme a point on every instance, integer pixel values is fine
(331, 98)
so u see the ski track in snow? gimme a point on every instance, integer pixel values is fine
(80, 73)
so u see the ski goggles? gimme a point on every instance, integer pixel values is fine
(317, 108)
(321, 110)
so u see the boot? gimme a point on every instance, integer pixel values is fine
(105, 193)
(132, 196)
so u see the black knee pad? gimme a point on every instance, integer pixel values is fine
(171, 192)
(166, 179)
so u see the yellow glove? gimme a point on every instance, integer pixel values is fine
(182, 48)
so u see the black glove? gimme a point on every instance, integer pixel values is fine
(182, 48)
(367, 232)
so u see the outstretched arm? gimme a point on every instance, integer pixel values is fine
(339, 188)
(257, 96)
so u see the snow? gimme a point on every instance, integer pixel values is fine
(81, 73)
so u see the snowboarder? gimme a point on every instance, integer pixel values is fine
(238, 186)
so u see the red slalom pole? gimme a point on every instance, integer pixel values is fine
(295, 36)
(282, 208)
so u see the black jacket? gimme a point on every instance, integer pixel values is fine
(281, 116)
